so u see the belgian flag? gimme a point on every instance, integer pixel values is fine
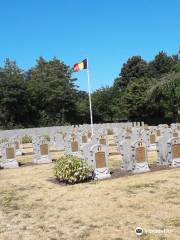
(80, 66)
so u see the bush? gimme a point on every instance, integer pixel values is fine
(72, 170)
(46, 137)
(26, 139)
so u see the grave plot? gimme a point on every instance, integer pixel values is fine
(98, 159)
(41, 151)
(8, 156)
(139, 157)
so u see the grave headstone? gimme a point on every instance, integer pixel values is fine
(41, 151)
(98, 157)
(59, 142)
(72, 147)
(18, 147)
(174, 151)
(162, 148)
(139, 157)
(125, 151)
(8, 159)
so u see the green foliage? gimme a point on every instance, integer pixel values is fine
(26, 139)
(46, 95)
(82, 107)
(150, 91)
(166, 92)
(46, 137)
(72, 170)
(102, 101)
(15, 106)
(52, 91)
(135, 98)
(135, 68)
(161, 64)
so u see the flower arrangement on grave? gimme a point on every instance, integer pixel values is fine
(72, 170)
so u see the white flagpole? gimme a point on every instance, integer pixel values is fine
(90, 104)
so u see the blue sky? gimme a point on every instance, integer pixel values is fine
(107, 32)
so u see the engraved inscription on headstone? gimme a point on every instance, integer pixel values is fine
(10, 153)
(140, 154)
(44, 149)
(176, 151)
(74, 146)
(100, 159)
(152, 138)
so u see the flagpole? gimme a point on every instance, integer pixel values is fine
(90, 104)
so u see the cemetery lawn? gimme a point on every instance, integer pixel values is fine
(34, 206)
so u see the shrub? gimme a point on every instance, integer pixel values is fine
(26, 139)
(72, 170)
(46, 137)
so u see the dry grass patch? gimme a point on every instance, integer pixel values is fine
(34, 206)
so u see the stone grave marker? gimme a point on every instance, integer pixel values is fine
(103, 140)
(8, 159)
(41, 151)
(98, 158)
(174, 151)
(139, 157)
(59, 142)
(18, 147)
(162, 148)
(125, 151)
(72, 147)
(152, 140)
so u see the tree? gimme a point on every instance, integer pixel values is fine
(165, 95)
(134, 99)
(161, 64)
(135, 68)
(15, 104)
(102, 103)
(82, 107)
(52, 91)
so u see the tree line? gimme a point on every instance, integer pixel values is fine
(47, 94)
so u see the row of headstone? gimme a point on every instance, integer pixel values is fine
(165, 140)
(133, 140)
